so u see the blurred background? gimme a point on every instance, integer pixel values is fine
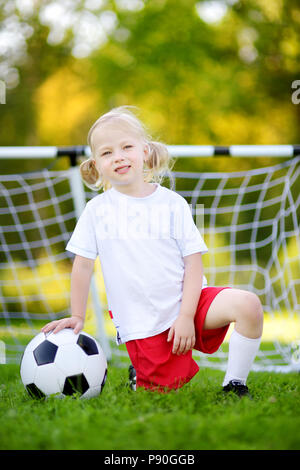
(201, 72)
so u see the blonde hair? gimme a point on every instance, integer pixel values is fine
(158, 163)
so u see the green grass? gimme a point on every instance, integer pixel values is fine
(197, 417)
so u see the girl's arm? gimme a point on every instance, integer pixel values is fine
(80, 284)
(183, 329)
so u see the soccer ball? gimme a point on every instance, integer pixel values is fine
(62, 364)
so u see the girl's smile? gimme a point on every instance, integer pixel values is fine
(123, 169)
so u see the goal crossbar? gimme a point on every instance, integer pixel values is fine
(48, 152)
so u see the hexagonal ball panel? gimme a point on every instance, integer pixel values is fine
(94, 370)
(49, 379)
(45, 353)
(28, 367)
(64, 336)
(74, 384)
(87, 344)
(71, 359)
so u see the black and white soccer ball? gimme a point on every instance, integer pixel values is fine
(63, 364)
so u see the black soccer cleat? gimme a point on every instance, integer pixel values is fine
(238, 388)
(132, 377)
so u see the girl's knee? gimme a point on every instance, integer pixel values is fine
(250, 309)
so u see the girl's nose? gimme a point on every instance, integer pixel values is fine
(119, 156)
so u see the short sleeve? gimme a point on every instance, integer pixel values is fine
(187, 234)
(83, 240)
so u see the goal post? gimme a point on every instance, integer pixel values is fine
(251, 227)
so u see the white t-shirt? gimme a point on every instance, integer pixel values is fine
(141, 243)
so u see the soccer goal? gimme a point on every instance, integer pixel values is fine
(250, 222)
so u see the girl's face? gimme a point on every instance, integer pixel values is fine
(119, 157)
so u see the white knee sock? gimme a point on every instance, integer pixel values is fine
(242, 352)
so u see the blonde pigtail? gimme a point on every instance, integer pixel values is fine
(90, 174)
(158, 163)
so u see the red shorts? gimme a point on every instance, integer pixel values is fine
(157, 368)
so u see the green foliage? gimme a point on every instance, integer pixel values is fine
(196, 82)
(199, 416)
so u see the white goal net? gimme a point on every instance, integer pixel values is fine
(251, 227)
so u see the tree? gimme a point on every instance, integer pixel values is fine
(195, 82)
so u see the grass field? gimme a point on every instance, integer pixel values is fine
(197, 417)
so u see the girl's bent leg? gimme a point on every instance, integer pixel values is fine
(239, 306)
(243, 308)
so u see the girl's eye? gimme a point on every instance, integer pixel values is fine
(106, 153)
(128, 146)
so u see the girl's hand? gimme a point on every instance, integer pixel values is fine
(71, 322)
(183, 332)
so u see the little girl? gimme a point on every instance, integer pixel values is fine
(151, 257)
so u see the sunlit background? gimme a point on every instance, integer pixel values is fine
(215, 72)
